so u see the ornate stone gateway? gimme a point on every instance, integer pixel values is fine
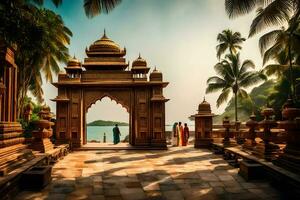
(104, 74)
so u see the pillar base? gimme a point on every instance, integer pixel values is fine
(229, 143)
(266, 151)
(289, 160)
(158, 143)
(203, 142)
(249, 144)
(42, 145)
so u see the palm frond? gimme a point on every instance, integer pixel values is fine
(268, 40)
(274, 14)
(96, 7)
(214, 87)
(223, 96)
(252, 79)
(221, 49)
(247, 64)
(275, 69)
(272, 52)
(243, 94)
(235, 8)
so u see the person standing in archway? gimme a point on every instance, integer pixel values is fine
(117, 133)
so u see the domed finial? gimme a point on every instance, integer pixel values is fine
(104, 34)
(140, 55)
(203, 98)
(155, 69)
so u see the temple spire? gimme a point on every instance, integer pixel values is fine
(104, 33)
(140, 55)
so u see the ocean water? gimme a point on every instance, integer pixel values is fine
(97, 132)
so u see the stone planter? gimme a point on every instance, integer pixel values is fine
(43, 134)
(36, 178)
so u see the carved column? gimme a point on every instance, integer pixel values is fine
(62, 116)
(267, 149)
(227, 141)
(251, 135)
(43, 131)
(12, 149)
(203, 126)
(290, 159)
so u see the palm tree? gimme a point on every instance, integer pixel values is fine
(234, 77)
(269, 13)
(282, 45)
(46, 46)
(229, 41)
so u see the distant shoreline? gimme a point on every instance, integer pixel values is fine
(106, 123)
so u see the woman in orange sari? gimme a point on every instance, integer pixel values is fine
(180, 134)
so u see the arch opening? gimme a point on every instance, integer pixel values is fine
(101, 117)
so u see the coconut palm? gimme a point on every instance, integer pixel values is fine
(269, 13)
(281, 45)
(229, 41)
(234, 77)
(46, 47)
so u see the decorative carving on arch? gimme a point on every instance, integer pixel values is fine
(120, 97)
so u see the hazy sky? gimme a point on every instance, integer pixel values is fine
(179, 37)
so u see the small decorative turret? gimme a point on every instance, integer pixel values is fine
(74, 68)
(156, 75)
(204, 107)
(139, 68)
(203, 125)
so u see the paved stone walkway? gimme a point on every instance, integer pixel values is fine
(179, 173)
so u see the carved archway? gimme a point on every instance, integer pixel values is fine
(121, 99)
(118, 98)
(105, 73)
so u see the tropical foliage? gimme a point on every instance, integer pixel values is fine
(229, 41)
(41, 39)
(282, 41)
(269, 12)
(234, 77)
(258, 99)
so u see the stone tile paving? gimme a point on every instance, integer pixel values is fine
(177, 174)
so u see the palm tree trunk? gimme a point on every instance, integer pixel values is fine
(235, 106)
(292, 81)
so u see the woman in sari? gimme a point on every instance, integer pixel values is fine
(180, 134)
(175, 135)
(186, 135)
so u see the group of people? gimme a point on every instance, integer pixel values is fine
(180, 134)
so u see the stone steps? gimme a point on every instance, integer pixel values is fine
(9, 163)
